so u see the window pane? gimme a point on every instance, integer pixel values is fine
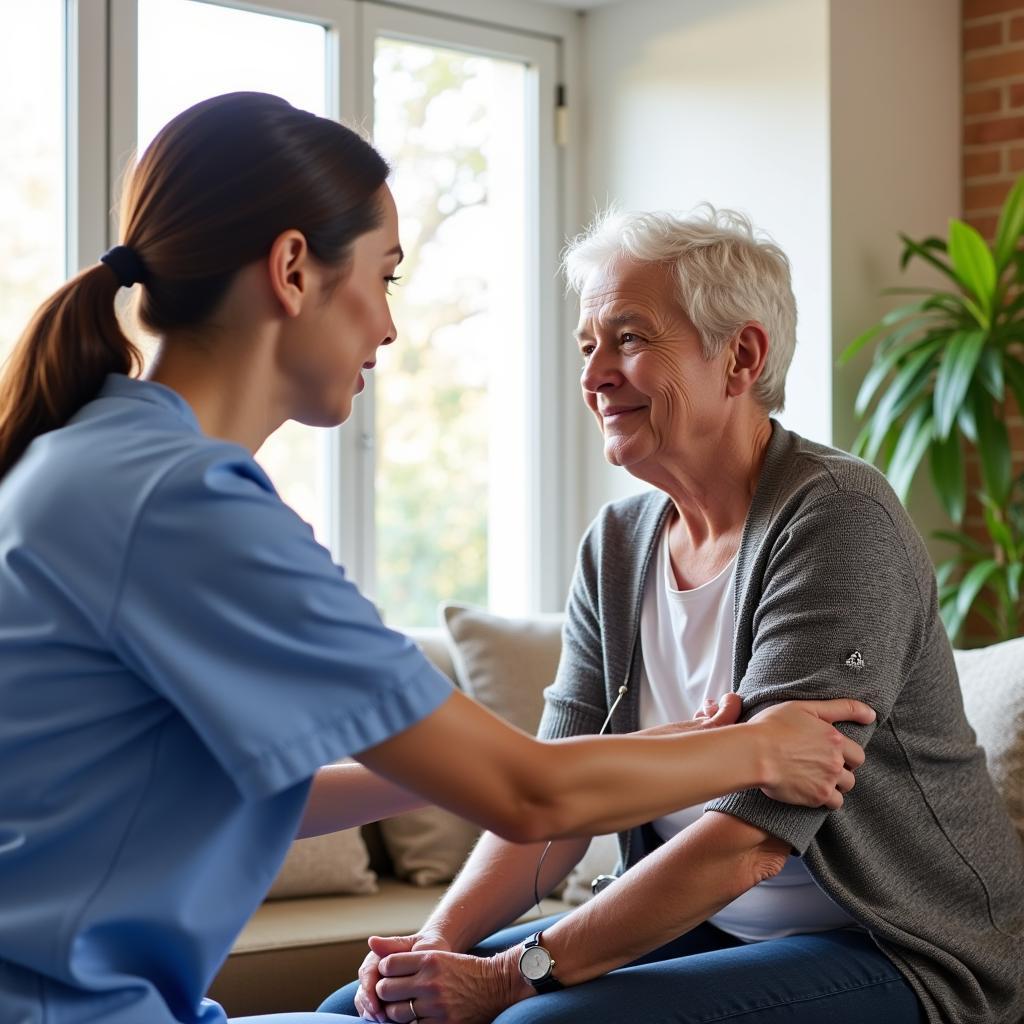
(32, 215)
(451, 482)
(230, 50)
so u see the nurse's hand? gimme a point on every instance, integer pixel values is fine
(367, 1002)
(726, 710)
(808, 761)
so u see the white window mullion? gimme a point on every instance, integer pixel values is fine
(86, 26)
(350, 490)
(123, 109)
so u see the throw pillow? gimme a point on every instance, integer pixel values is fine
(504, 663)
(334, 864)
(992, 682)
(429, 845)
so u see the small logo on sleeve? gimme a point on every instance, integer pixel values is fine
(855, 661)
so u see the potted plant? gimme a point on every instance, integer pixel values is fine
(946, 366)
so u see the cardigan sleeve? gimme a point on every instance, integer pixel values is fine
(840, 614)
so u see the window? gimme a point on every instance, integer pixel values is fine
(32, 161)
(451, 485)
(438, 486)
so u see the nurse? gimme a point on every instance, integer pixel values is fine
(180, 656)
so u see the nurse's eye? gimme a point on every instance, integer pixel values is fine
(389, 281)
(586, 351)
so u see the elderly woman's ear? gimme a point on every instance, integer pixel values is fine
(749, 351)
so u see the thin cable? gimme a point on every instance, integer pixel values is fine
(547, 846)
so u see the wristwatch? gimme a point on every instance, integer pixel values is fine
(537, 967)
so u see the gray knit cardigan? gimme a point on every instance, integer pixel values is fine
(836, 597)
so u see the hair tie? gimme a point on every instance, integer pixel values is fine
(126, 265)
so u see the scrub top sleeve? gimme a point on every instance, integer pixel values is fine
(232, 612)
(839, 583)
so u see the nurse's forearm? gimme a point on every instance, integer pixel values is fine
(464, 758)
(348, 795)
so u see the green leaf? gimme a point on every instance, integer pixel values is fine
(990, 373)
(860, 442)
(900, 313)
(908, 383)
(912, 248)
(1011, 224)
(947, 466)
(858, 343)
(977, 313)
(1014, 573)
(968, 425)
(880, 369)
(964, 540)
(973, 263)
(944, 573)
(972, 585)
(954, 378)
(998, 530)
(910, 449)
(993, 449)
(938, 244)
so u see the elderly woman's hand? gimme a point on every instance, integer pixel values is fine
(434, 985)
(368, 1005)
(807, 760)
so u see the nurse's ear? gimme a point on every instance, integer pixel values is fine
(288, 269)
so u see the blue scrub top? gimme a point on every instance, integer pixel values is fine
(179, 657)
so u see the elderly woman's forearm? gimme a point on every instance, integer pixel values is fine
(720, 858)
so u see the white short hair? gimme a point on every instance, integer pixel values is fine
(727, 276)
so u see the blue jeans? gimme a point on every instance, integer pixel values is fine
(707, 976)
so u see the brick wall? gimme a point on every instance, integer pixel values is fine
(993, 158)
(993, 44)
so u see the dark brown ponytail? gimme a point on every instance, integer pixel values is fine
(211, 193)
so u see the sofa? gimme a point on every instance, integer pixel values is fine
(310, 935)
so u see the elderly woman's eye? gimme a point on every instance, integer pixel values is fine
(586, 351)
(628, 339)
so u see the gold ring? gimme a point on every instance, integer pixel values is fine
(412, 1010)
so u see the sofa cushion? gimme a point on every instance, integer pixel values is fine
(992, 682)
(504, 663)
(337, 863)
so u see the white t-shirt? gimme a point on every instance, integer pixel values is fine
(686, 638)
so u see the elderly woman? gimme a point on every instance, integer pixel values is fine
(780, 569)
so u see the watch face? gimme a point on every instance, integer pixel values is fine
(535, 963)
